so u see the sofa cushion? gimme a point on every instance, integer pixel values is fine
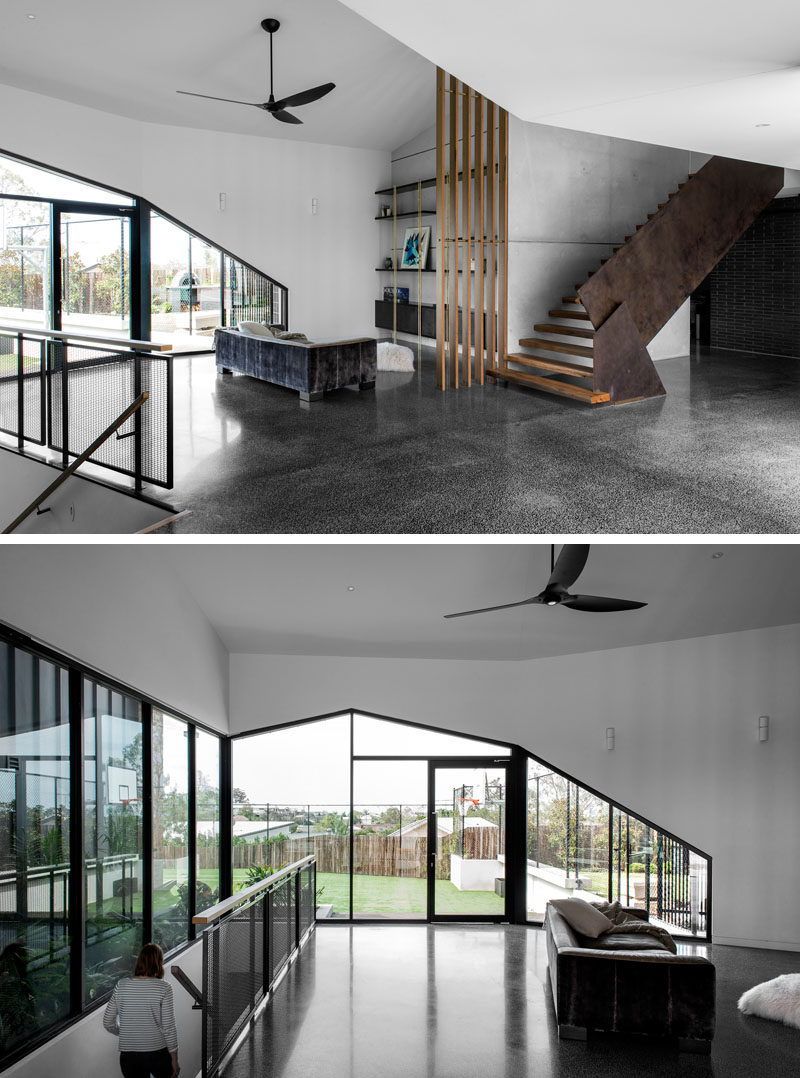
(255, 329)
(623, 941)
(582, 916)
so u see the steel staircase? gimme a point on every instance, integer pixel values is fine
(594, 348)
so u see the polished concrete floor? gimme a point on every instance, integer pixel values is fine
(451, 1001)
(719, 453)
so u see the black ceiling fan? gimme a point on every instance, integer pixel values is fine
(273, 107)
(564, 573)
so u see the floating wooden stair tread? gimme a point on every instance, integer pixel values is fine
(549, 385)
(557, 346)
(564, 331)
(557, 366)
(569, 314)
(572, 299)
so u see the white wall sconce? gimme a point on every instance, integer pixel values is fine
(223, 201)
(763, 727)
(315, 206)
(610, 738)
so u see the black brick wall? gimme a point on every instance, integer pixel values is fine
(755, 290)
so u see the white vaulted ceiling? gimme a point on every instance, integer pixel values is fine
(700, 76)
(293, 599)
(130, 57)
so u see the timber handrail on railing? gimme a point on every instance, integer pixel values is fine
(87, 338)
(64, 476)
(249, 941)
(213, 913)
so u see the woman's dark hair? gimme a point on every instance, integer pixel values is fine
(150, 962)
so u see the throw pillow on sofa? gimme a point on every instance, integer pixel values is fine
(255, 329)
(582, 916)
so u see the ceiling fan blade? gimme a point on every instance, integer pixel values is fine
(230, 100)
(488, 609)
(284, 116)
(306, 96)
(599, 604)
(569, 566)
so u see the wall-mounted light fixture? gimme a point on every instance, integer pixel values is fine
(763, 727)
(610, 737)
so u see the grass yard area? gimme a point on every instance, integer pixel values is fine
(399, 896)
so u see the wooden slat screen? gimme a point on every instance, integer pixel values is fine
(472, 229)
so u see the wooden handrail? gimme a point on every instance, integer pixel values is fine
(123, 418)
(59, 335)
(213, 913)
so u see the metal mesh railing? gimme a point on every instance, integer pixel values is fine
(100, 384)
(245, 949)
(22, 387)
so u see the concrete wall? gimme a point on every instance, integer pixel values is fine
(326, 260)
(86, 1049)
(572, 198)
(78, 507)
(687, 755)
(128, 617)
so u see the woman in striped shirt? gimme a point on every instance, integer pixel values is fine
(140, 1013)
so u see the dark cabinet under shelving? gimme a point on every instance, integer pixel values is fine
(407, 318)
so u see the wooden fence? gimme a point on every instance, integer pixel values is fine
(373, 855)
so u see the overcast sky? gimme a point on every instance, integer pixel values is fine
(310, 764)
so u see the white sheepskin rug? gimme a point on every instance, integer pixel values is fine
(394, 357)
(778, 999)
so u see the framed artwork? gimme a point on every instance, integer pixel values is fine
(415, 248)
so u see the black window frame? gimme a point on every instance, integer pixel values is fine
(77, 673)
(139, 214)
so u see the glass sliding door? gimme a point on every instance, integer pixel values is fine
(95, 273)
(25, 263)
(390, 839)
(467, 840)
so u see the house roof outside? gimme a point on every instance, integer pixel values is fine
(444, 825)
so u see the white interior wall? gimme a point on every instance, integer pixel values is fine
(326, 260)
(131, 620)
(572, 198)
(79, 506)
(88, 1050)
(687, 755)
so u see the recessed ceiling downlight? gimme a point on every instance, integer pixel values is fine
(718, 554)
(30, 16)
(351, 587)
(763, 125)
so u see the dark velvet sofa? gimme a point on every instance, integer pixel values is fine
(614, 985)
(310, 367)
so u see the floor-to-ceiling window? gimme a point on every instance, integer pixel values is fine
(89, 260)
(35, 815)
(373, 798)
(207, 815)
(170, 783)
(96, 854)
(113, 807)
(580, 843)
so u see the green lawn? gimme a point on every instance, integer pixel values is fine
(385, 895)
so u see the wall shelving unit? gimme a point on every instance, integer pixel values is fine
(414, 317)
